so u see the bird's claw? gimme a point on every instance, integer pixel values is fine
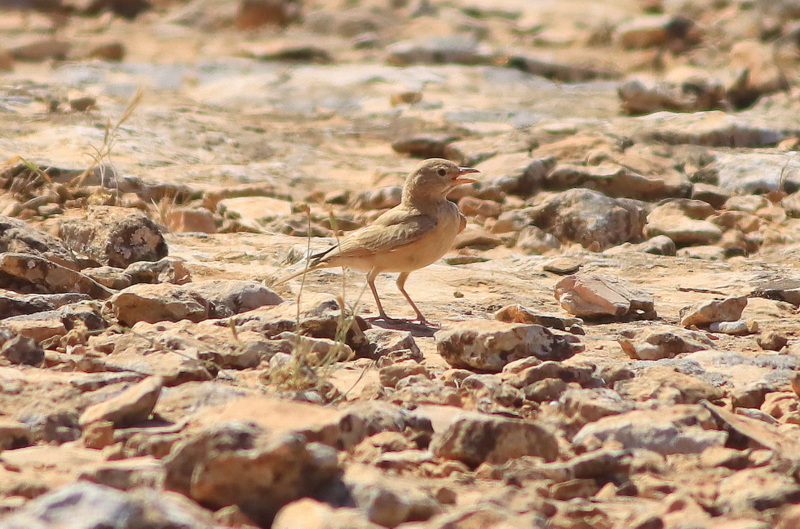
(396, 321)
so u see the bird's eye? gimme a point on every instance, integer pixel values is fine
(442, 172)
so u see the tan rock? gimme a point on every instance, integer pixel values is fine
(115, 236)
(651, 31)
(111, 51)
(127, 474)
(423, 145)
(453, 49)
(589, 405)
(474, 438)
(535, 241)
(664, 383)
(6, 60)
(520, 314)
(41, 50)
(676, 430)
(191, 220)
(229, 297)
(388, 501)
(670, 220)
(589, 218)
(758, 73)
(383, 198)
(592, 295)
(109, 276)
(470, 207)
(716, 310)
(391, 374)
(756, 489)
(98, 435)
(132, 406)
(320, 317)
(614, 181)
(560, 71)
(50, 276)
(388, 341)
(14, 434)
(240, 464)
(662, 342)
(162, 302)
(490, 345)
(44, 326)
(254, 14)
(477, 238)
(313, 514)
(643, 96)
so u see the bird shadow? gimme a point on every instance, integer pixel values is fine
(418, 330)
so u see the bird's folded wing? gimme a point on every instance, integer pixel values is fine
(390, 234)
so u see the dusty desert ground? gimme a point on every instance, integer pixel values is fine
(617, 341)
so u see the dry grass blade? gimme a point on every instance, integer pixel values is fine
(109, 139)
(306, 370)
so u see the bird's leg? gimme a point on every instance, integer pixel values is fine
(371, 282)
(401, 284)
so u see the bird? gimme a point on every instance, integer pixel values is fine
(410, 236)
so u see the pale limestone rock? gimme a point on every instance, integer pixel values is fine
(115, 236)
(756, 489)
(587, 217)
(313, 514)
(592, 295)
(652, 31)
(716, 310)
(86, 505)
(389, 502)
(614, 181)
(155, 303)
(391, 374)
(666, 384)
(50, 276)
(14, 434)
(490, 345)
(229, 297)
(132, 406)
(662, 342)
(39, 326)
(16, 236)
(589, 405)
(644, 96)
(239, 463)
(474, 438)
(520, 314)
(671, 220)
(127, 474)
(665, 431)
(388, 341)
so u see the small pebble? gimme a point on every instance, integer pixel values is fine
(562, 266)
(736, 328)
(772, 341)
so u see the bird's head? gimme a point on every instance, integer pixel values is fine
(435, 178)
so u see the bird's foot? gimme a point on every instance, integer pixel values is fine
(387, 319)
(403, 321)
(426, 323)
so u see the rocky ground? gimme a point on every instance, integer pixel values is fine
(618, 343)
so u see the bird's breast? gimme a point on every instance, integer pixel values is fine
(429, 248)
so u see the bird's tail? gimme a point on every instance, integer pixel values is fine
(316, 262)
(296, 274)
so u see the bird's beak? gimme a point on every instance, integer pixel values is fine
(460, 179)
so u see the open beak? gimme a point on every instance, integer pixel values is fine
(460, 179)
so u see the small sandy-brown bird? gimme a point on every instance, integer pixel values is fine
(409, 236)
